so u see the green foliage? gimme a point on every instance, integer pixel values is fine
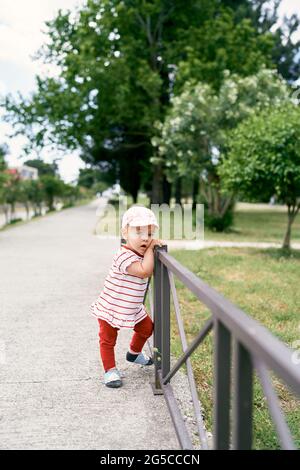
(223, 44)
(3, 152)
(264, 155)
(217, 222)
(90, 177)
(14, 221)
(99, 187)
(3, 184)
(264, 159)
(52, 187)
(199, 120)
(118, 65)
(12, 190)
(193, 139)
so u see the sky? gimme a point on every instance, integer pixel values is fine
(21, 26)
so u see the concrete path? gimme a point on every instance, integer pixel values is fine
(51, 395)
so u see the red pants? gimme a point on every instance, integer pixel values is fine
(108, 337)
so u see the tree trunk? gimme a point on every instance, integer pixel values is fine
(157, 194)
(195, 191)
(6, 212)
(27, 211)
(130, 175)
(287, 236)
(12, 212)
(178, 190)
(292, 212)
(166, 190)
(50, 203)
(134, 194)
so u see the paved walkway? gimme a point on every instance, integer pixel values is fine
(51, 395)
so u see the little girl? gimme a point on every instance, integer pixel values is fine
(120, 304)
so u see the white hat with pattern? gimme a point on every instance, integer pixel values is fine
(139, 216)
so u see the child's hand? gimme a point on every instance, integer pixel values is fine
(155, 242)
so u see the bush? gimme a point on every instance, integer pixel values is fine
(216, 222)
(15, 220)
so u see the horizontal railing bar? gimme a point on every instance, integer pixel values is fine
(190, 373)
(179, 424)
(283, 430)
(195, 343)
(248, 331)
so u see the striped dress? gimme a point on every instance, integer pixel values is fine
(120, 302)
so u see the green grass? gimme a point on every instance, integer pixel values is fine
(264, 283)
(257, 226)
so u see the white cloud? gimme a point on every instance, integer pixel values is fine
(69, 167)
(21, 31)
(288, 8)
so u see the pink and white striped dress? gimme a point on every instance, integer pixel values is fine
(120, 303)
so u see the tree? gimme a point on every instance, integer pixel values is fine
(222, 44)
(194, 137)
(70, 194)
(11, 189)
(52, 187)
(118, 65)
(264, 17)
(90, 176)
(99, 187)
(4, 177)
(3, 152)
(35, 195)
(23, 196)
(264, 159)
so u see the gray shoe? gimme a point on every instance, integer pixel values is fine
(112, 378)
(141, 359)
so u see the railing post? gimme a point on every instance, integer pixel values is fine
(242, 405)
(221, 407)
(165, 320)
(157, 318)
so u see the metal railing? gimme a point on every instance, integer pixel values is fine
(254, 348)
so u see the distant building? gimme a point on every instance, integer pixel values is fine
(25, 172)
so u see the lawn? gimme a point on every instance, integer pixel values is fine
(266, 225)
(264, 283)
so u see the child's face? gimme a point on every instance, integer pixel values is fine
(139, 238)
